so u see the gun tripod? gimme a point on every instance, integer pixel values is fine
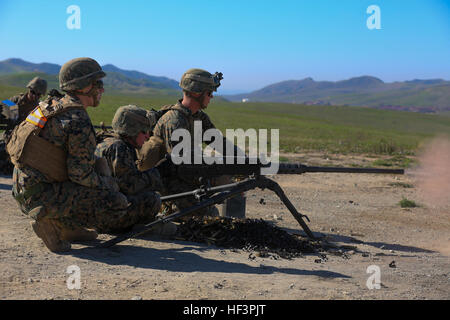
(208, 196)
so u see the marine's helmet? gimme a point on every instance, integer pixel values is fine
(38, 85)
(199, 80)
(79, 73)
(130, 120)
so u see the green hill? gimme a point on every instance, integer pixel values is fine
(21, 79)
(426, 96)
(17, 72)
(319, 128)
(15, 65)
(333, 129)
(416, 95)
(114, 83)
(152, 81)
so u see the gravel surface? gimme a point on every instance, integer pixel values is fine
(382, 251)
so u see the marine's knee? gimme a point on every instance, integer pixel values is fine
(118, 201)
(153, 201)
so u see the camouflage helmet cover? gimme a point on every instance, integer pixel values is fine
(130, 120)
(79, 73)
(38, 85)
(199, 80)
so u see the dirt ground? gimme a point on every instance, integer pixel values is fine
(409, 247)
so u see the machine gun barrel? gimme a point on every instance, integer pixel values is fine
(298, 168)
(249, 168)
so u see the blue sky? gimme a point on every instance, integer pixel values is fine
(254, 43)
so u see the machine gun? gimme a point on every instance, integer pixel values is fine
(207, 195)
(252, 167)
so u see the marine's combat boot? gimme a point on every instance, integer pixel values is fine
(48, 230)
(78, 234)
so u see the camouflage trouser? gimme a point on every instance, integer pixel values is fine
(145, 205)
(104, 210)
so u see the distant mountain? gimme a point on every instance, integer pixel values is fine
(18, 65)
(21, 79)
(14, 72)
(166, 82)
(415, 95)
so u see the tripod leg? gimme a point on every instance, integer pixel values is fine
(275, 187)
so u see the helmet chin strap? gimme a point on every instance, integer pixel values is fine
(92, 93)
(200, 100)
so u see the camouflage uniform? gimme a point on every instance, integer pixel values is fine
(138, 186)
(179, 117)
(25, 105)
(37, 87)
(86, 198)
(6, 166)
(173, 117)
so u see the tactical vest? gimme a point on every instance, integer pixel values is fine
(181, 110)
(154, 149)
(27, 148)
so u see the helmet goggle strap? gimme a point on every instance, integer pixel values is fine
(213, 80)
(217, 77)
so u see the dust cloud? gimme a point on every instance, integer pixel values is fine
(432, 176)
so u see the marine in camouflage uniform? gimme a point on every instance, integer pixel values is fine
(63, 205)
(173, 117)
(198, 86)
(25, 102)
(6, 166)
(131, 126)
